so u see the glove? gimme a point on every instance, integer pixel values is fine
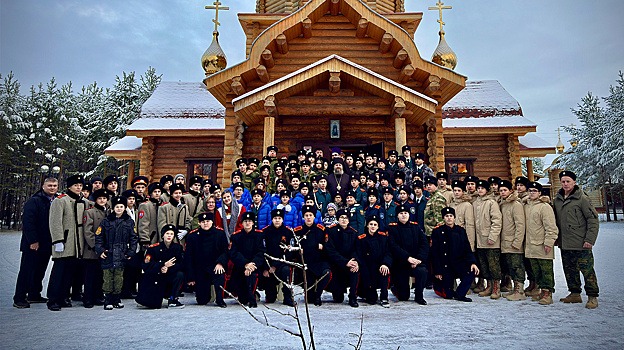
(59, 247)
(181, 234)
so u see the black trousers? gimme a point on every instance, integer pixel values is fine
(401, 278)
(270, 283)
(445, 287)
(370, 294)
(342, 278)
(61, 277)
(174, 283)
(93, 279)
(132, 274)
(33, 265)
(203, 282)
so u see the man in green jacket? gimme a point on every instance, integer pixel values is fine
(578, 229)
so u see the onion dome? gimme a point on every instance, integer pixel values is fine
(443, 54)
(214, 60)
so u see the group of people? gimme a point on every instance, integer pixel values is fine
(361, 225)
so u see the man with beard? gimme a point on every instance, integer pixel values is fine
(338, 181)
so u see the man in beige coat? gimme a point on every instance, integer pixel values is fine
(512, 238)
(541, 233)
(148, 216)
(175, 212)
(464, 213)
(488, 229)
(90, 260)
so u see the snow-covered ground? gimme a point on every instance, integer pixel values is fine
(443, 324)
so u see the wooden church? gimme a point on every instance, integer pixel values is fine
(325, 73)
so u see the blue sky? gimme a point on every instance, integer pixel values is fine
(547, 54)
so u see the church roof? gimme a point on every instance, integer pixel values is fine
(483, 98)
(181, 100)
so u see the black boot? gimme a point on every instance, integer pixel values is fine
(108, 302)
(353, 302)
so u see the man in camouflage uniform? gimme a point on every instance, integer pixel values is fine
(435, 204)
(578, 230)
(443, 187)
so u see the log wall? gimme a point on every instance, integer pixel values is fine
(490, 151)
(170, 154)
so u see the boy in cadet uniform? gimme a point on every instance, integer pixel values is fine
(148, 216)
(421, 169)
(90, 260)
(96, 184)
(407, 155)
(131, 195)
(356, 213)
(435, 204)
(295, 182)
(86, 193)
(66, 230)
(175, 212)
(306, 172)
(132, 271)
(206, 188)
(165, 182)
(464, 213)
(241, 164)
(280, 185)
(471, 187)
(247, 254)
(410, 249)
(373, 208)
(452, 258)
(192, 198)
(111, 183)
(375, 258)
(392, 158)
(206, 257)
(402, 167)
(398, 178)
(261, 209)
(139, 184)
(312, 239)
(512, 241)
(252, 172)
(163, 272)
(341, 254)
(322, 195)
(360, 193)
(389, 205)
(521, 186)
(494, 183)
(310, 200)
(443, 187)
(276, 237)
(419, 202)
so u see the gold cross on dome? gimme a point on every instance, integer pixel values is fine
(217, 6)
(439, 7)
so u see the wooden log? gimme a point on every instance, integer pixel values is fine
(386, 41)
(398, 108)
(282, 44)
(432, 85)
(334, 82)
(400, 133)
(269, 132)
(306, 25)
(406, 73)
(334, 7)
(263, 74)
(270, 107)
(238, 85)
(334, 110)
(267, 59)
(399, 59)
(362, 27)
(529, 167)
(324, 92)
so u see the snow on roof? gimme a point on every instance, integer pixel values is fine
(482, 98)
(488, 122)
(544, 181)
(127, 143)
(533, 141)
(178, 124)
(181, 99)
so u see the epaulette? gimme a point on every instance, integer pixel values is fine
(437, 226)
(264, 228)
(410, 201)
(62, 195)
(382, 233)
(193, 231)
(321, 227)
(258, 230)
(164, 203)
(298, 228)
(332, 225)
(362, 190)
(396, 203)
(362, 236)
(377, 207)
(236, 232)
(154, 245)
(414, 222)
(392, 224)
(219, 227)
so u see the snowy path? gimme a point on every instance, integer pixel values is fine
(443, 324)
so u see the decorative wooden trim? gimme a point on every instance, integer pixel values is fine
(263, 74)
(282, 44)
(269, 107)
(399, 59)
(147, 157)
(432, 86)
(334, 82)
(386, 41)
(177, 132)
(435, 141)
(406, 73)
(517, 130)
(269, 133)
(306, 28)
(238, 85)
(125, 154)
(267, 59)
(513, 149)
(362, 28)
(398, 108)
(334, 7)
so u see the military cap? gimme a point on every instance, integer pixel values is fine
(418, 184)
(283, 193)
(305, 184)
(240, 161)
(130, 193)
(154, 186)
(371, 177)
(258, 180)
(494, 180)
(337, 160)
(567, 173)
(402, 208)
(214, 188)
(294, 176)
(385, 190)
(207, 182)
(402, 159)
(382, 160)
(168, 227)
(119, 200)
(448, 210)
(265, 167)
(102, 192)
(399, 175)
(272, 148)
(522, 180)
(535, 184)
(305, 162)
(419, 156)
(109, 179)
(301, 152)
(309, 197)
(392, 153)
(267, 158)
(308, 209)
(205, 216)
(442, 175)
(87, 187)
(176, 187)
(403, 188)
(372, 218)
(238, 185)
(505, 183)
(278, 165)
(471, 178)
(166, 179)
(277, 212)
(257, 192)
(406, 148)
(140, 180)
(96, 178)
(236, 173)
(354, 177)
(383, 175)
(196, 179)
(372, 192)
(459, 184)
(431, 180)
(253, 161)
(75, 179)
(281, 181)
(248, 216)
(350, 193)
(320, 177)
(484, 184)
(342, 212)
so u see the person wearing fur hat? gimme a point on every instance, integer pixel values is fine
(541, 235)
(148, 216)
(421, 170)
(521, 186)
(471, 186)
(111, 183)
(373, 208)
(193, 197)
(407, 172)
(356, 212)
(276, 237)
(374, 256)
(443, 186)
(90, 260)
(165, 181)
(206, 259)
(115, 244)
(247, 254)
(175, 212)
(389, 205)
(342, 257)
(260, 208)
(433, 210)
(488, 220)
(464, 212)
(163, 275)
(66, 212)
(452, 258)
(407, 155)
(132, 271)
(512, 241)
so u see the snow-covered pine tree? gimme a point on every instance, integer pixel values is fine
(614, 137)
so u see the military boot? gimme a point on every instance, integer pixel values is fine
(535, 292)
(506, 285)
(592, 302)
(496, 290)
(546, 297)
(518, 292)
(537, 296)
(488, 290)
(532, 286)
(572, 298)
(480, 287)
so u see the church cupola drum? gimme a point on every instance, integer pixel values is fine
(213, 59)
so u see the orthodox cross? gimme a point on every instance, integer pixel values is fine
(439, 7)
(217, 6)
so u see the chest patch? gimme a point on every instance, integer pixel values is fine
(98, 231)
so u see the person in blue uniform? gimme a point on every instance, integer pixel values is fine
(247, 254)
(341, 254)
(452, 258)
(356, 212)
(373, 207)
(276, 237)
(375, 258)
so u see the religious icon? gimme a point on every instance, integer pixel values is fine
(334, 129)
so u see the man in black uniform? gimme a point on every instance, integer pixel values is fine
(409, 248)
(206, 257)
(247, 254)
(276, 236)
(341, 253)
(373, 252)
(163, 276)
(452, 258)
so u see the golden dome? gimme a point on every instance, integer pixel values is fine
(214, 60)
(443, 55)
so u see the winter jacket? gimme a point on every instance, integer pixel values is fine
(447, 193)
(292, 217)
(322, 199)
(175, 213)
(297, 201)
(577, 220)
(340, 246)
(314, 257)
(407, 240)
(91, 221)
(204, 250)
(390, 213)
(263, 214)
(541, 228)
(194, 202)
(450, 251)
(487, 221)
(116, 237)
(464, 217)
(153, 285)
(35, 223)
(66, 213)
(433, 212)
(273, 238)
(247, 247)
(378, 211)
(148, 221)
(513, 223)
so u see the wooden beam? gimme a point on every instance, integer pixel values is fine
(334, 82)
(400, 133)
(282, 44)
(529, 167)
(307, 28)
(333, 110)
(238, 85)
(432, 86)
(269, 106)
(263, 74)
(362, 28)
(406, 73)
(131, 174)
(267, 59)
(342, 92)
(399, 59)
(386, 40)
(334, 7)
(398, 108)
(269, 132)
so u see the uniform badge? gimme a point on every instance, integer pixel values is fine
(412, 210)
(84, 219)
(381, 216)
(141, 214)
(361, 211)
(148, 258)
(98, 231)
